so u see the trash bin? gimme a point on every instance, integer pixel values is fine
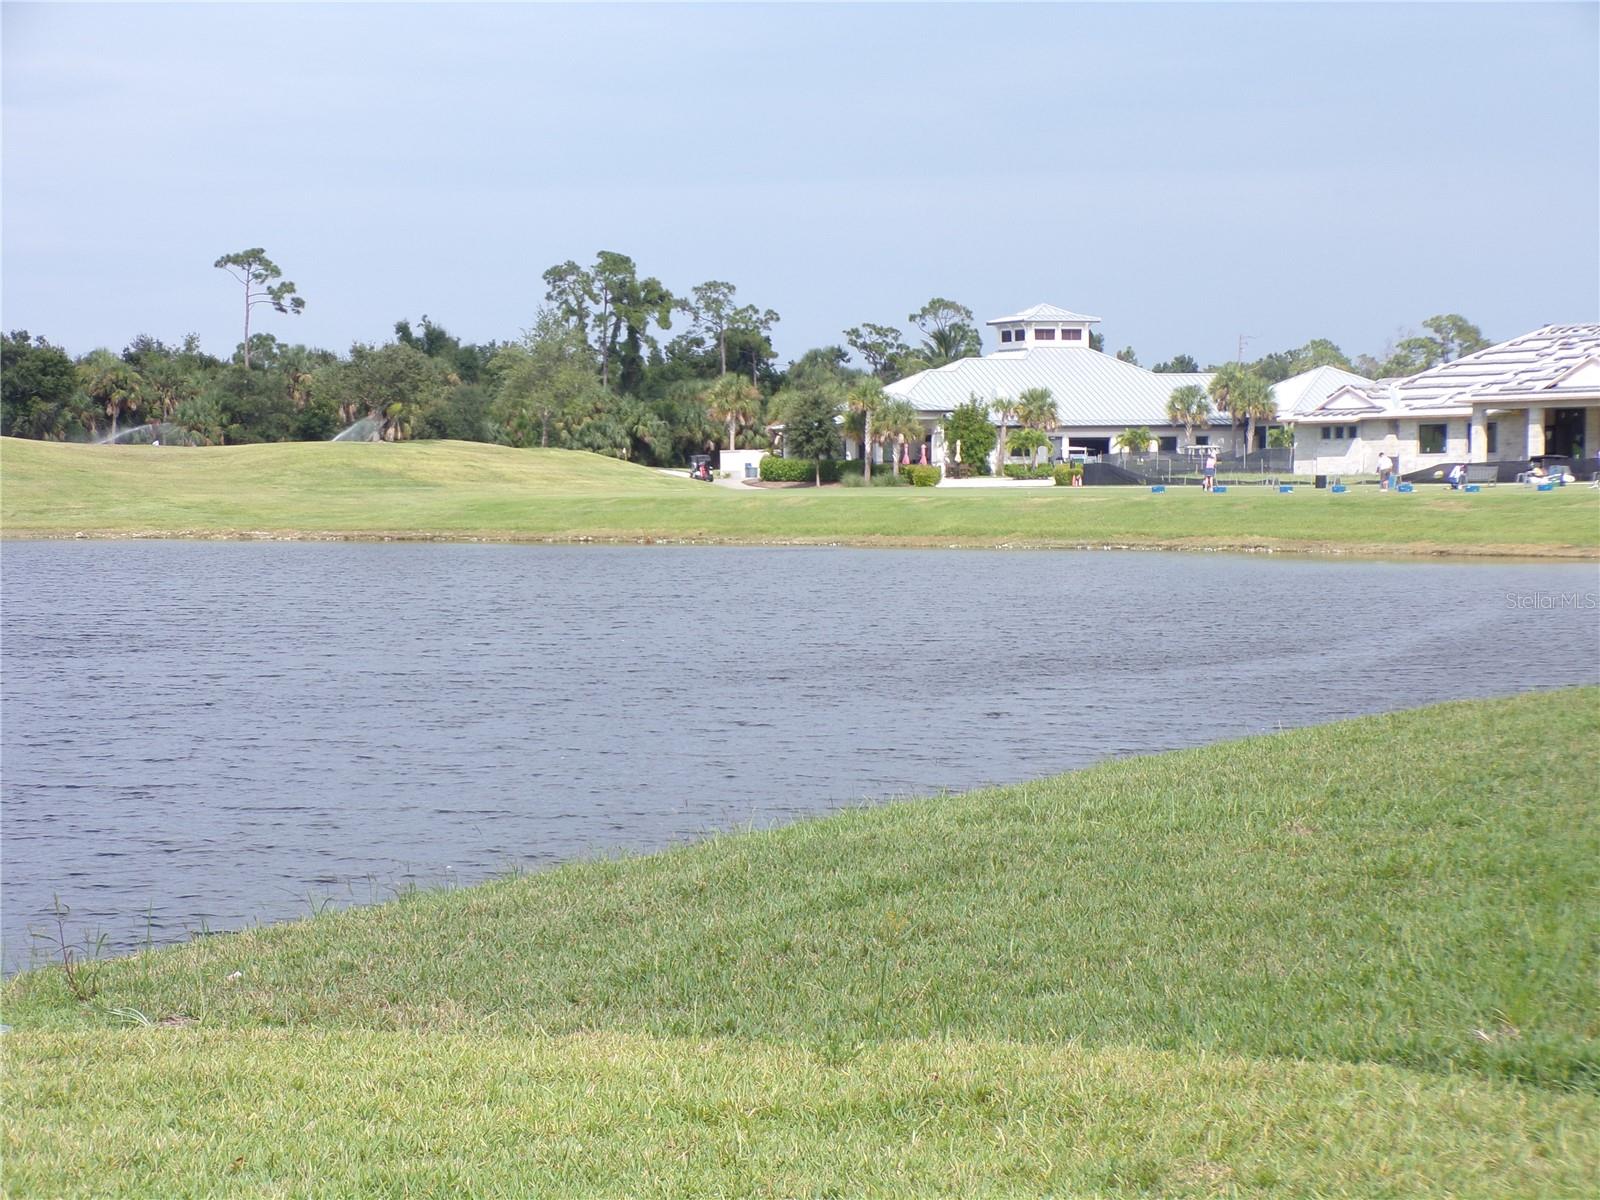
(750, 471)
(1320, 481)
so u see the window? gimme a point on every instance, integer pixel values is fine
(1493, 438)
(1327, 433)
(1005, 335)
(1044, 335)
(1072, 335)
(1337, 433)
(1168, 445)
(1431, 438)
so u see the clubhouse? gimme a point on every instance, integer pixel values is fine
(1535, 395)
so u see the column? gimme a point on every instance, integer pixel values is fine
(1535, 431)
(1478, 435)
(1591, 431)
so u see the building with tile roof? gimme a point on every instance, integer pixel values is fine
(1534, 395)
(1530, 397)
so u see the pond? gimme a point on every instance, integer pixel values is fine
(198, 736)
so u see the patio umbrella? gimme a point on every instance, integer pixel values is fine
(924, 461)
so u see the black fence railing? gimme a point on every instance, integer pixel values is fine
(1274, 461)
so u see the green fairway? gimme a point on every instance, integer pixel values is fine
(468, 490)
(1257, 968)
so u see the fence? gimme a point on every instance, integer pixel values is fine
(1165, 467)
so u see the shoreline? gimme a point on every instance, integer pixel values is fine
(1198, 545)
(1306, 549)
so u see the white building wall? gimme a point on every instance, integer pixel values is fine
(733, 461)
(1313, 455)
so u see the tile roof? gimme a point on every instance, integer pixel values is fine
(1533, 365)
(1546, 366)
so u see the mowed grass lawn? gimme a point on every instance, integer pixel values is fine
(455, 489)
(1355, 960)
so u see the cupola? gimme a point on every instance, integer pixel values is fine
(1043, 326)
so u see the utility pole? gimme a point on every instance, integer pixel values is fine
(1243, 338)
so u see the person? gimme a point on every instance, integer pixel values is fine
(1385, 467)
(1457, 476)
(1210, 471)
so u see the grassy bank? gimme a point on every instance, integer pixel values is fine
(1351, 960)
(460, 490)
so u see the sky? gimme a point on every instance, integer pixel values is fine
(1190, 173)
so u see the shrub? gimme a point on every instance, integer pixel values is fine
(882, 476)
(1024, 471)
(970, 426)
(922, 476)
(797, 470)
(1066, 473)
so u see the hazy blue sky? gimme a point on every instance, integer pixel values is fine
(1187, 172)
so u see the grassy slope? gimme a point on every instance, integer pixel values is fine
(457, 489)
(262, 1113)
(1260, 965)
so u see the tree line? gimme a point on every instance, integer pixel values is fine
(614, 362)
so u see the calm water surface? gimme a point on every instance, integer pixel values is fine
(205, 735)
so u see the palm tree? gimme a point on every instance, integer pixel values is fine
(1188, 406)
(1228, 381)
(898, 422)
(1134, 441)
(643, 427)
(1005, 411)
(1030, 442)
(113, 385)
(730, 399)
(298, 365)
(948, 344)
(200, 420)
(864, 399)
(170, 383)
(1036, 409)
(1251, 398)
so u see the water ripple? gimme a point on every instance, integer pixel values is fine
(210, 735)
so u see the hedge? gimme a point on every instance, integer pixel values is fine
(1024, 471)
(1066, 473)
(797, 470)
(922, 476)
